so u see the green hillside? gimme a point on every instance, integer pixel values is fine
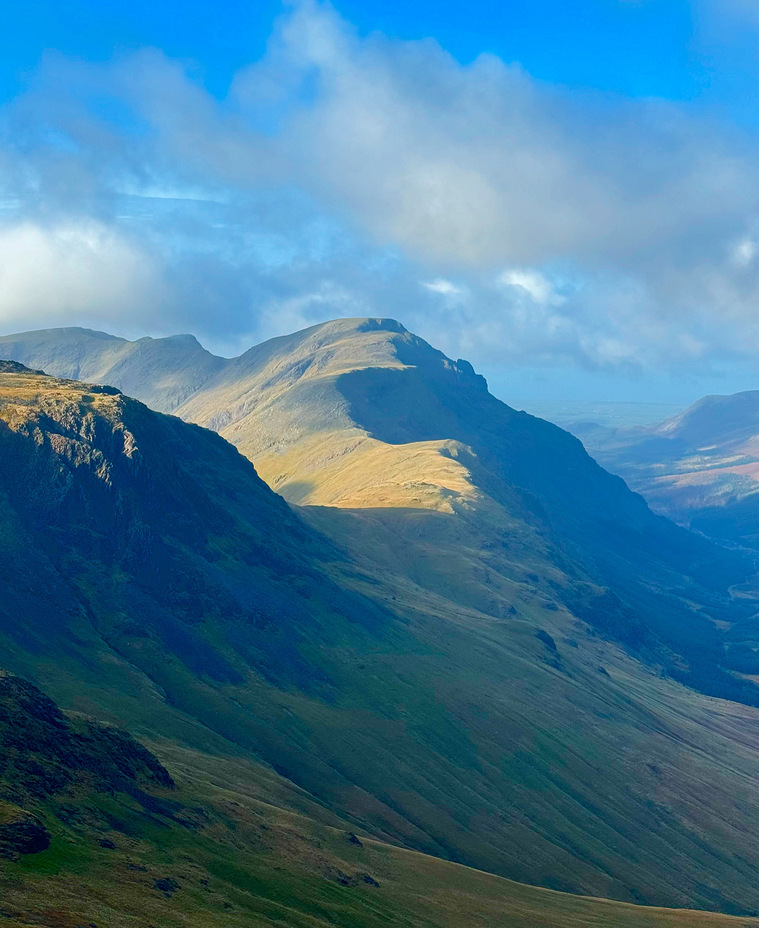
(94, 830)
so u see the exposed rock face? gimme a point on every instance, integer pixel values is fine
(42, 752)
(21, 832)
(81, 480)
(14, 367)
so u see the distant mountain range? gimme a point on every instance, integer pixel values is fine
(466, 639)
(699, 468)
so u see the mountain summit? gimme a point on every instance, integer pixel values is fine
(293, 405)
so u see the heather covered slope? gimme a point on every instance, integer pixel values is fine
(154, 580)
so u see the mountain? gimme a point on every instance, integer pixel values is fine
(363, 416)
(161, 372)
(478, 663)
(699, 468)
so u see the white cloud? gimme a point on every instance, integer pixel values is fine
(533, 283)
(444, 287)
(55, 274)
(744, 252)
(480, 165)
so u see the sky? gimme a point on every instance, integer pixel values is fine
(567, 195)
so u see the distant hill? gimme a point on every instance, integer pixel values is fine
(699, 468)
(161, 372)
(472, 652)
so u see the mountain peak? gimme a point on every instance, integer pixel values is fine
(14, 367)
(361, 324)
(182, 339)
(341, 346)
(62, 333)
(363, 340)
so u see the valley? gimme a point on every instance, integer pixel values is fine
(699, 468)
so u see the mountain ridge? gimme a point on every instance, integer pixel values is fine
(361, 413)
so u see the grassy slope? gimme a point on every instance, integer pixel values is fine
(488, 746)
(236, 855)
(228, 844)
(230, 887)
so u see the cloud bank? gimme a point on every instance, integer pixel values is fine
(513, 221)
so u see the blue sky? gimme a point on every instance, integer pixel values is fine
(649, 47)
(566, 194)
(632, 47)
